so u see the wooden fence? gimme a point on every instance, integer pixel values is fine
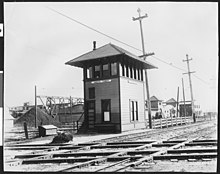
(175, 121)
(169, 122)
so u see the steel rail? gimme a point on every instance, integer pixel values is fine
(165, 151)
(122, 155)
(141, 135)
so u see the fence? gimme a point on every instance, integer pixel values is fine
(175, 121)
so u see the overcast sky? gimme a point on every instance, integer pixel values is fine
(38, 42)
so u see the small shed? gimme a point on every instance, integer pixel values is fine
(45, 130)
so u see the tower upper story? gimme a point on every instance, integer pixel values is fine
(110, 61)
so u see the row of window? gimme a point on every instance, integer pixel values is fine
(102, 71)
(131, 72)
(110, 69)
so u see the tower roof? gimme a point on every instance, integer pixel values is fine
(107, 51)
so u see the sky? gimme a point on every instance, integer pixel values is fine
(38, 42)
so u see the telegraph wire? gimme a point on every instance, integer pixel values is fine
(92, 28)
(112, 37)
(201, 79)
(170, 64)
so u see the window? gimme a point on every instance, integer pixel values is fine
(138, 74)
(135, 77)
(105, 70)
(131, 72)
(141, 70)
(106, 110)
(122, 70)
(97, 71)
(90, 72)
(134, 110)
(127, 71)
(114, 69)
(91, 93)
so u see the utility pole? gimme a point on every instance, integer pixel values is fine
(184, 99)
(35, 97)
(190, 83)
(144, 55)
(177, 102)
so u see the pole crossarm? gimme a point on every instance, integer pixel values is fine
(146, 55)
(140, 17)
(189, 72)
(187, 60)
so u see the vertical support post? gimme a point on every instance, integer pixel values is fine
(35, 97)
(77, 125)
(153, 124)
(176, 121)
(160, 123)
(25, 130)
(184, 102)
(191, 91)
(166, 122)
(177, 102)
(71, 111)
(171, 120)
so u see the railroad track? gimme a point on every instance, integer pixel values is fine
(123, 155)
(143, 135)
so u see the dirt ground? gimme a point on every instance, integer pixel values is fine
(204, 130)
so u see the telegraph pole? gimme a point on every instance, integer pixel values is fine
(190, 83)
(177, 103)
(144, 55)
(35, 97)
(184, 98)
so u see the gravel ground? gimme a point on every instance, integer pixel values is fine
(208, 131)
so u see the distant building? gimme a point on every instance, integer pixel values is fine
(188, 108)
(169, 108)
(156, 107)
(113, 89)
(172, 102)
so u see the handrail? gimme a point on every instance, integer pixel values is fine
(77, 122)
(80, 117)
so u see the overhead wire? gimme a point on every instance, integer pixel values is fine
(161, 60)
(92, 28)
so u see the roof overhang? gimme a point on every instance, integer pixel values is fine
(108, 51)
(81, 64)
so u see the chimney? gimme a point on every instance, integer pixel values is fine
(94, 45)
